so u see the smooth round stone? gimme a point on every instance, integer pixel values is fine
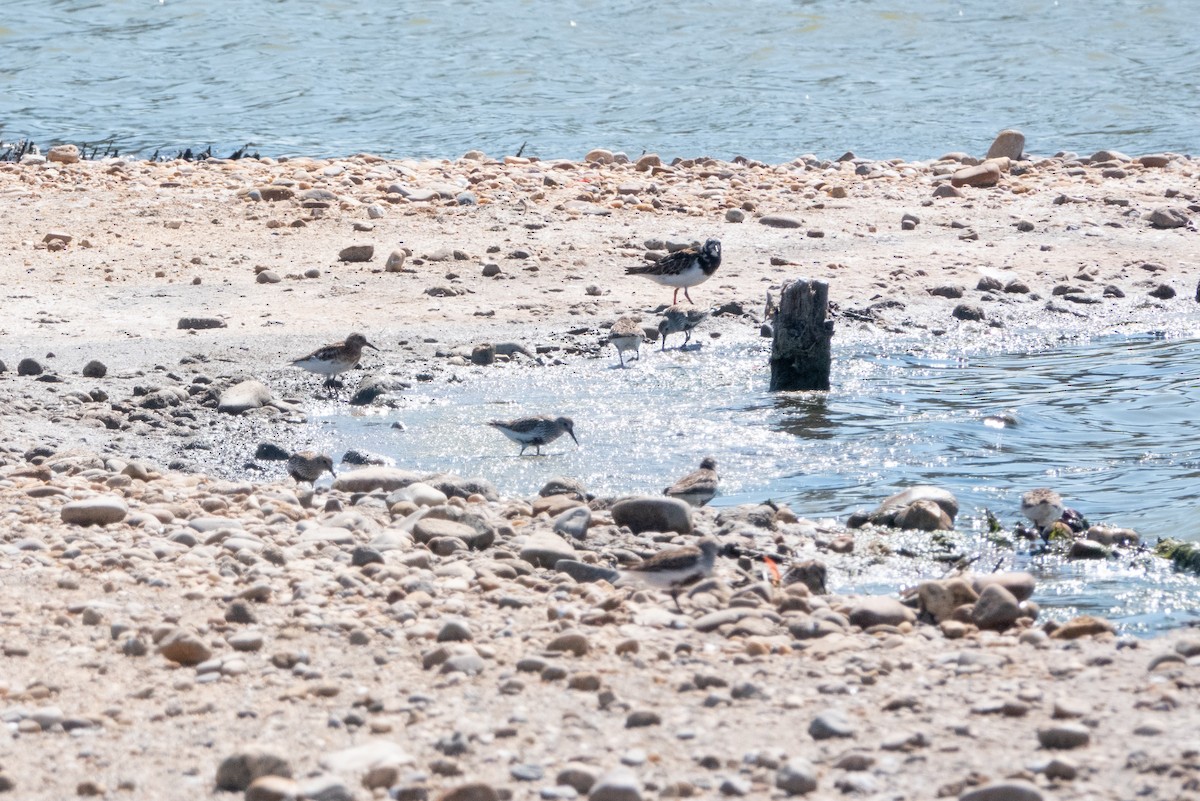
(544, 549)
(246, 641)
(830, 724)
(996, 609)
(94, 511)
(420, 494)
(617, 785)
(184, 647)
(880, 611)
(237, 771)
(1015, 790)
(1064, 736)
(455, 631)
(574, 522)
(244, 396)
(653, 514)
(797, 777)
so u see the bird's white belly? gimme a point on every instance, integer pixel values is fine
(692, 276)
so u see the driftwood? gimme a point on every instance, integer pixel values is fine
(801, 356)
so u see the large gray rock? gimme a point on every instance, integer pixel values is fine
(94, 511)
(797, 777)
(996, 609)
(543, 549)
(574, 522)
(653, 514)
(243, 397)
(1007, 144)
(370, 479)
(880, 611)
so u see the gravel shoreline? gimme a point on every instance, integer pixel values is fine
(158, 621)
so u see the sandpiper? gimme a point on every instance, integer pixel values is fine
(1042, 506)
(683, 269)
(698, 487)
(626, 334)
(673, 568)
(678, 319)
(336, 358)
(308, 466)
(536, 431)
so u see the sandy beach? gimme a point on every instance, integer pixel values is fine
(371, 644)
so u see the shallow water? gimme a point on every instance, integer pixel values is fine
(769, 80)
(1106, 423)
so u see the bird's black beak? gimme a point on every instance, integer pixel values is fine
(369, 345)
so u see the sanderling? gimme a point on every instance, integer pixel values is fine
(626, 334)
(679, 319)
(536, 431)
(336, 358)
(673, 568)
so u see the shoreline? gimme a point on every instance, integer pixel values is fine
(315, 630)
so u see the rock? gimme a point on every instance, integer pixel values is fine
(98, 511)
(270, 452)
(543, 549)
(237, 771)
(63, 154)
(968, 311)
(584, 573)
(367, 756)
(1064, 736)
(1165, 217)
(375, 386)
(418, 493)
(184, 647)
(478, 791)
(455, 631)
(887, 512)
(946, 190)
(483, 354)
(599, 156)
(564, 486)
(829, 725)
(780, 221)
(796, 777)
(653, 514)
(1163, 292)
(985, 174)
(923, 516)
(940, 598)
(880, 610)
(735, 215)
(1008, 144)
(578, 776)
(369, 479)
(648, 161)
(1083, 626)
(1020, 584)
(395, 261)
(616, 785)
(1088, 549)
(29, 367)
(200, 323)
(246, 641)
(573, 523)
(1007, 790)
(243, 397)
(996, 609)
(458, 487)
(431, 528)
(362, 556)
(94, 369)
(356, 253)
(947, 291)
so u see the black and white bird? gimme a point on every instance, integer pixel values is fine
(683, 269)
(536, 431)
(680, 320)
(698, 487)
(673, 568)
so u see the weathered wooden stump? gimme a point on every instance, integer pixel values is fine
(801, 356)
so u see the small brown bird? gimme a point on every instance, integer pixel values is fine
(626, 334)
(673, 568)
(1042, 506)
(536, 431)
(680, 319)
(698, 487)
(336, 358)
(682, 269)
(308, 466)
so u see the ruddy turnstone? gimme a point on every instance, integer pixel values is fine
(336, 358)
(673, 568)
(308, 466)
(683, 269)
(698, 487)
(677, 319)
(536, 431)
(1042, 506)
(626, 334)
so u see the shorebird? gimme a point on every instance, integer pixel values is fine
(698, 487)
(536, 431)
(683, 269)
(308, 466)
(336, 358)
(673, 568)
(626, 334)
(1042, 506)
(679, 319)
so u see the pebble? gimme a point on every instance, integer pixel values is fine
(238, 770)
(1166, 218)
(780, 221)
(395, 261)
(829, 725)
(545, 549)
(1008, 144)
(1064, 736)
(95, 369)
(996, 609)
(98, 511)
(29, 366)
(184, 647)
(243, 397)
(968, 312)
(653, 514)
(573, 523)
(616, 785)
(796, 777)
(356, 253)
(982, 175)
(478, 791)
(1009, 790)
(880, 610)
(200, 323)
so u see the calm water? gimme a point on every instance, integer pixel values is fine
(769, 79)
(1109, 424)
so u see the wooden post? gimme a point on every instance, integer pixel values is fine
(800, 351)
